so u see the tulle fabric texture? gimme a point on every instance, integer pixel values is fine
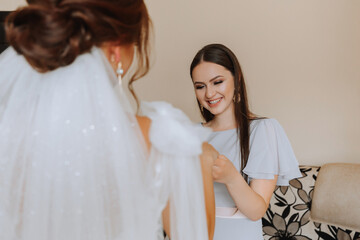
(73, 164)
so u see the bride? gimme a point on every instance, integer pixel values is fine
(75, 162)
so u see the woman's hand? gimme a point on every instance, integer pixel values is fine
(223, 170)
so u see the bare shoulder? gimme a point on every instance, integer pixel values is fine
(209, 151)
(207, 147)
(143, 121)
(208, 156)
(144, 124)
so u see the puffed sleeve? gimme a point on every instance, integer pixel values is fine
(172, 132)
(271, 153)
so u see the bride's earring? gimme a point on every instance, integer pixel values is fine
(201, 108)
(119, 72)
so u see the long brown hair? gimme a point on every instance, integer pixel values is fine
(220, 54)
(52, 33)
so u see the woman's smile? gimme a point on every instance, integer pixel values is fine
(214, 103)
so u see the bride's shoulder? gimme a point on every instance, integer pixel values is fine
(144, 124)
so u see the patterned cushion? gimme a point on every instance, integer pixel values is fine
(288, 216)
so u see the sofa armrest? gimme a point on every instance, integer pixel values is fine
(336, 199)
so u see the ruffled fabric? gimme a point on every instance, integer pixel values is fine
(271, 153)
(176, 145)
(172, 132)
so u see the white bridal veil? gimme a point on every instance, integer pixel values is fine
(73, 164)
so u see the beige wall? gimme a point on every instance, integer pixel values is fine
(301, 60)
(9, 5)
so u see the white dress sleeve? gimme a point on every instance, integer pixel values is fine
(176, 146)
(271, 153)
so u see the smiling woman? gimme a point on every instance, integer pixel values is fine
(256, 152)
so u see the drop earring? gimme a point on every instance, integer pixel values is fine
(119, 72)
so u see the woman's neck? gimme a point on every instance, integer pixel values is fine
(223, 121)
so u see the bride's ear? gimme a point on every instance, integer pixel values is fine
(113, 54)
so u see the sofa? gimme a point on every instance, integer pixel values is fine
(289, 213)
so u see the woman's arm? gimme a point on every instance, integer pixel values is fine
(207, 159)
(253, 200)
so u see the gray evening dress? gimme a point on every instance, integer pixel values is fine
(270, 154)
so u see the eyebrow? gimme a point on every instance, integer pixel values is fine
(214, 78)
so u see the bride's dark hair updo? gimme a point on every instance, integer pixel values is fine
(52, 33)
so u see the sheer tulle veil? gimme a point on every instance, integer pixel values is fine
(73, 163)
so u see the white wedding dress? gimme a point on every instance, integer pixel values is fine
(73, 163)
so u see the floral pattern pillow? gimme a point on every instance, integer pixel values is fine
(288, 216)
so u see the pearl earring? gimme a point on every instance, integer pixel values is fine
(119, 72)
